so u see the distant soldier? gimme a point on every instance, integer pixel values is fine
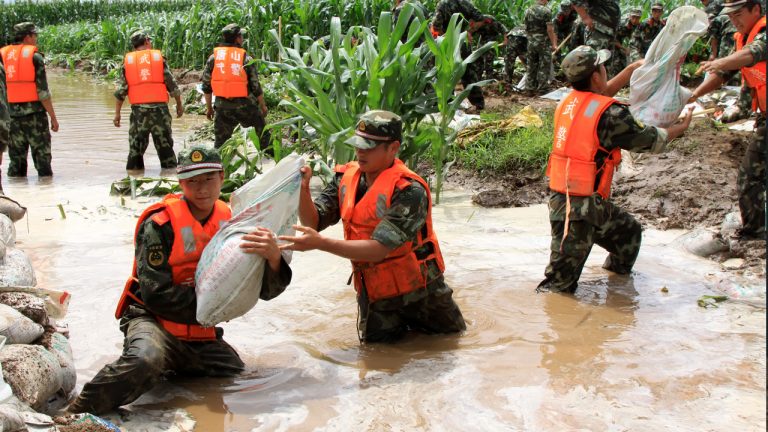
(647, 31)
(147, 81)
(5, 121)
(600, 19)
(564, 23)
(491, 31)
(443, 13)
(542, 42)
(712, 7)
(231, 76)
(517, 47)
(29, 100)
(624, 34)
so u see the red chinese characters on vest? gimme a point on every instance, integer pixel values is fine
(145, 78)
(20, 73)
(572, 169)
(754, 76)
(229, 79)
(401, 271)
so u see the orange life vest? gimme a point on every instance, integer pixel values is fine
(754, 76)
(229, 79)
(401, 271)
(572, 169)
(144, 74)
(189, 240)
(20, 73)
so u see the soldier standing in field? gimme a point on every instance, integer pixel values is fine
(29, 102)
(599, 21)
(565, 23)
(491, 31)
(5, 121)
(147, 81)
(647, 31)
(542, 42)
(623, 34)
(232, 77)
(517, 47)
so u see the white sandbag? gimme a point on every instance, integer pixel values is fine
(59, 346)
(17, 270)
(228, 281)
(56, 302)
(17, 328)
(7, 231)
(655, 94)
(701, 242)
(32, 372)
(5, 390)
(11, 208)
(31, 306)
(11, 420)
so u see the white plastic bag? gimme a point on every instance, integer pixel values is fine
(655, 94)
(17, 328)
(228, 281)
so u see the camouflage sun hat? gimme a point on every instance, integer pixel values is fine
(582, 61)
(730, 6)
(376, 127)
(139, 38)
(635, 12)
(658, 6)
(198, 159)
(231, 31)
(24, 28)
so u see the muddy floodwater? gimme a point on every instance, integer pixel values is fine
(620, 355)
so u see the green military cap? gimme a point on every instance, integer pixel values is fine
(730, 6)
(139, 38)
(232, 31)
(198, 159)
(582, 61)
(635, 12)
(24, 28)
(376, 127)
(658, 6)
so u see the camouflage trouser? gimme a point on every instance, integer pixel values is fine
(487, 64)
(30, 132)
(513, 51)
(600, 40)
(618, 63)
(435, 313)
(752, 184)
(150, 354)
(614, 230)
(145, 121)
(472, 75)
(227, 119)
(538, 63)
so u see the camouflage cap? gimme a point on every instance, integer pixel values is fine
(730, 6)
(658, 6)
(198, 159)
(582, 61)
(231, 31)
(24, 28)
(376, 127)
(635, 12)
(139, 38)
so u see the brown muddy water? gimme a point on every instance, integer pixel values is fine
(621, 355)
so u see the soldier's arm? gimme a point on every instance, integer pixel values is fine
(405, 216)
(725, 68)
(173, 89)
(159, 294)
(274, 282)
(618, 128)
(41, 81)
(327, 205)
(207, 88)
(120, 94)
(552, 36)
(254, 86)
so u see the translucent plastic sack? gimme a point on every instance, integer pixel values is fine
(655, 94)
(228, 281)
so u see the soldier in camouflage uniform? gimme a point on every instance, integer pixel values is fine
(148, 118)
(427, 304)
(594, 219)
(751, 180)
(564, 23)
(150, 352)
(646, 32)
(5, 120)
(29, 120)
(247, 111)
(475, 19)
(623, 34)
(599, 19)
(517, 47)
(542, 42)
(494, 31)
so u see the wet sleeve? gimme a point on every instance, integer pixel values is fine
(618, 128)
(161, 297)
(274, 283)
(170, 82)
(251, 68)
(758, 49)
(122, 85)
(206, 79)
(327, 205)
(406, 215)
(41, 80)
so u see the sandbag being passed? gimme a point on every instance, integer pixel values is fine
(655, 94)
(228, 281)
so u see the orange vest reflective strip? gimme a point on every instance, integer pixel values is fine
(401, 271)
(229, 79)
(145, 77)
(754, 76)
(20, 73)
(572, 169)
(190, 238)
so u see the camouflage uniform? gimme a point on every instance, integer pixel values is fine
(146, 119)
(605, 15)
(430, 310)
(643, 36)
(723, 30)
(494, 31)
(30, 129)
(5, 118)
(623, 33)
(150, 353)
(517, 46)
(564, 24)
(538, 59)
(233, 111)
(443, 12)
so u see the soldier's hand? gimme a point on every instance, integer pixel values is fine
(179, 110)
(686, 120)
(306, 176)
(54, 124)
(209, 113)
(264, 111)
(116, 120)
(262, 242)
(309, 240)
(588, 22)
